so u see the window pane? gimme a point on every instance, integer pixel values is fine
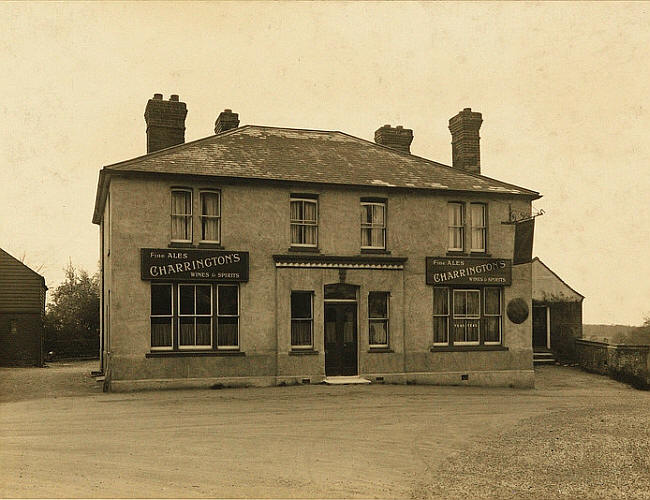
(301, 332)
(186, 331)
(493, 329)
(366, 237)
(227, 332)
(186, 299)
(161, 332)
(378, 332)
(472, 330)
(310, 235)
(161, 299)
(378, 214)
(209, 203)
(440, 330)
(478, 239)
(478, 215)
(378, 305)
(440, 301)
(181, 227)
(203, 299)
(459, 302)
(301, 305)
(210, 229)
(366, 214)
(181, 202)
(296, 212)
(203, 331)
(455, 214)
(473, 301)
(492, 301)
(456, 237)
(227, 300)
(310, 211)
(377, 237)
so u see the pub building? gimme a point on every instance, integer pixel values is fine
(265, 255)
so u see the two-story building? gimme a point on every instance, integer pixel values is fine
(265, 255)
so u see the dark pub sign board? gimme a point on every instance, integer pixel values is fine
(171, 264)
(468, 271)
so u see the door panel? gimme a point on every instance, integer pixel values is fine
(341, 339)
(539, 326)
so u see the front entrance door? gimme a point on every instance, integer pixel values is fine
(340, 339)
(540, 327)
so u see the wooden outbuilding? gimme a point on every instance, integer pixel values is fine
(22, 311)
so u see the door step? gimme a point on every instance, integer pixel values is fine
(342, 380)
(543, 358)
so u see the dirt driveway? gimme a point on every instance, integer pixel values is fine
(575, 436)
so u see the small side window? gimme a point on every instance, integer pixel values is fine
(378, 319)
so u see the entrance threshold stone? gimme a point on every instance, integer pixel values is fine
(342, 380)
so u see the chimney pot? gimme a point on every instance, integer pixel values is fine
(165, 122)
(398, 138)
(465, 140)
(227, 120)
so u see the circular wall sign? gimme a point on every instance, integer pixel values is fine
(517, 310)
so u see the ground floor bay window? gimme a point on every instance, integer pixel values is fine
(467, 316)
(190, 316)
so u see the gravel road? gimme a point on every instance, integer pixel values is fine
(576, 435)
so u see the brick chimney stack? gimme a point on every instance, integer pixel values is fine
(465, 149)
(398, 138)
(165, 122)
(225, 121)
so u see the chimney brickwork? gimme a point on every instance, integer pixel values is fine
(398, 138)
(465, 148)
(226, 120)
(165, 122)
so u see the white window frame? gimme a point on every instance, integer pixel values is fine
(466, 317)
(214, 217)
(372, 225)
(303, 320)
(448, 315)
(184, 216)
(170, 316)
(499, 315)
(380, 319)
(460, 227)
(303, 222)
(194, 315)
(219, 315)
(483, 229)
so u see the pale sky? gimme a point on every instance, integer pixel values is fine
(564, 89)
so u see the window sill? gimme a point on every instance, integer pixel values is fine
(205, 244)
(455, 253)
(376, 251)
(302, 352)
(304, 249)
(380, 349)
(446, 348)
(191, 354)
(180, 244)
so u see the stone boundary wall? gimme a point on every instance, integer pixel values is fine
(627, 363)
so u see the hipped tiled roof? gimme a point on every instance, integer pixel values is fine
(312, 156)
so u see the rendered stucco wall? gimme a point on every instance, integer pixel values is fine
(255, 218)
